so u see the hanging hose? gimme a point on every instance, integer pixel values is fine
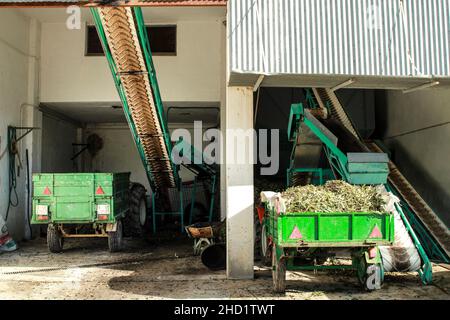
(13, 151)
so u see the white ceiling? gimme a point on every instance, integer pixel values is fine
(103, 112)
(151, 15)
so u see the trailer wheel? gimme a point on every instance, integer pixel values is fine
(115, 238)
(55, 241)
(266, 249)
(278, 272)
(136, 219)
(370, 276)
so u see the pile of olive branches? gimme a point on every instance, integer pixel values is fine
(334, 196)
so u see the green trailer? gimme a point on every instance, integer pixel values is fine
(76, 205)
(305, 241)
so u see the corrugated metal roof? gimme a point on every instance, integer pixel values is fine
(367, 38)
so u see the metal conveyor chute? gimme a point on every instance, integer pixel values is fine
(124, 38)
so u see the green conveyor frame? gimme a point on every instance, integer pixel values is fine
(201, 168)
(371, 169)
(145, 46)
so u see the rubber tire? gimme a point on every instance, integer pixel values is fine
(55, 241)
(115, 238)
(132, 224)
(278, 273)
(266, 255)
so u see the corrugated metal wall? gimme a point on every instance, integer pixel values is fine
(342, 37)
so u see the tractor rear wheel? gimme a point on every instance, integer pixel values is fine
(55, 241)
(136, 219)
(115, 238)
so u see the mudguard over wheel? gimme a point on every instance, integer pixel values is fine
(136, 219)
(55, 241)
(278, 272)
(115, 238)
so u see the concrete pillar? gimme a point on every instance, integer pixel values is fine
(30, 116)
(239, 182)
(223, 94)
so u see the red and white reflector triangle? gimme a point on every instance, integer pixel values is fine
(296, 234)
(99, 190)
(376, 233)
(47, 191)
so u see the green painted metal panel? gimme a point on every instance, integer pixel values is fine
(334, 228)
(367, 178)
(75, 209)
(294, 116)
(368, 167)
(344, 229)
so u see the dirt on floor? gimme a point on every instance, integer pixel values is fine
(168, 270)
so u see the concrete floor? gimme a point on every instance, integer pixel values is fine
(86, 270)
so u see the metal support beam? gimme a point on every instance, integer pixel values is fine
(422, 86)
(258, 82)
(343, 84)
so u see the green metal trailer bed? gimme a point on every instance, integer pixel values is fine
(81, 205)
(304, 241)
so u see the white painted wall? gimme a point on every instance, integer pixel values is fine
(194, 74)
(422, 156)
(119, 153)
(14, 62)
